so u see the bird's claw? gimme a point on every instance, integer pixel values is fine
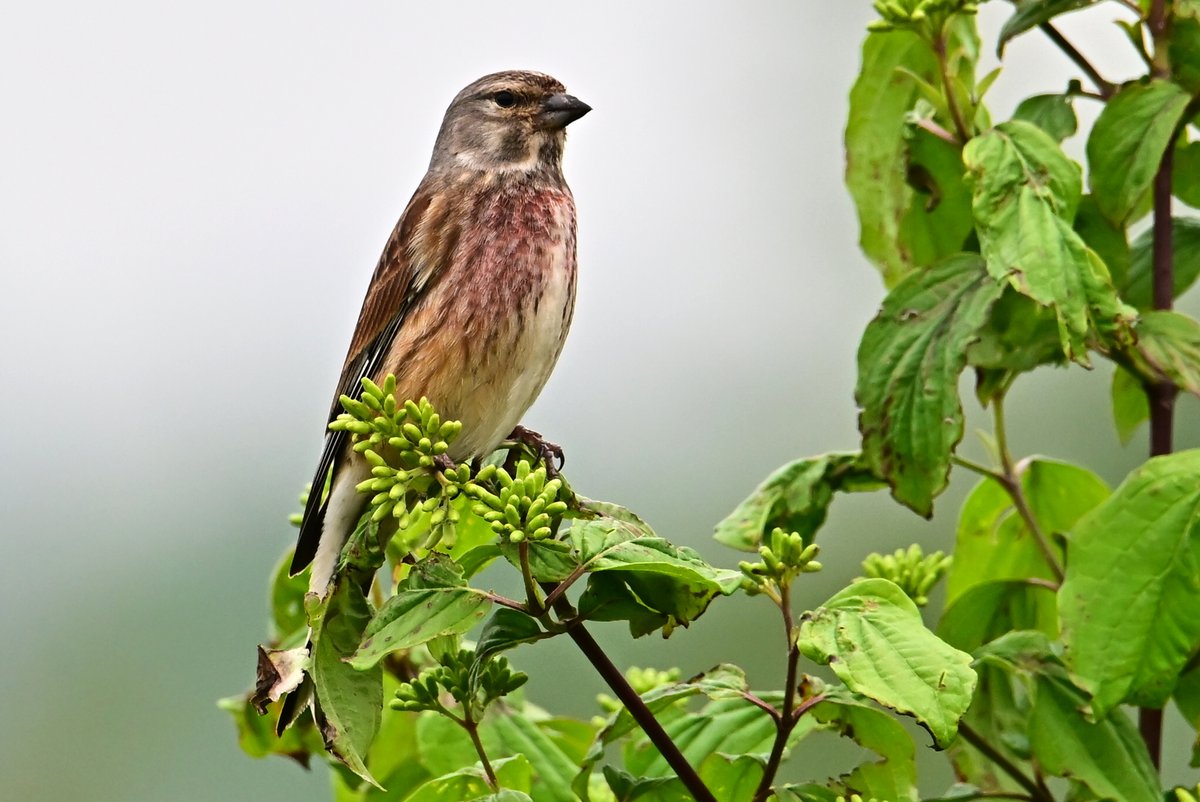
(550, 454)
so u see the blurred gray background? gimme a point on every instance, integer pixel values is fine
(191, 202)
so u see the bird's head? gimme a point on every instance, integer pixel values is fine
(507, 121)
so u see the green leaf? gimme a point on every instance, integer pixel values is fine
(795, 498)
(1128, 142)
(993, 542)
(1130, 602)
(1185, 181)
(1019, 336)
(988, 610)
(1129, 403)
(875, 150)
(1026, 194)
(608, 598)
(908, 366)
(288, 618)
(1032, 13)
(1184, 51)
(1187, 699)
(729, 726)
(504, 630)
(1054, 114)
(1108, 240)
(348, 701)
(256, 733)
(470, 784)
(1108, 756)
(553, 770)
(1138, 288)
(873, 637)
(731, 778)
(894, 776)
(669, 579)
(938, 220)
(434, 600)
(549, 560)
(1167, 349)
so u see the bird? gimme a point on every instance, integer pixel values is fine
(472, 297)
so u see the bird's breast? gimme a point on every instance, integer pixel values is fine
(484, 340)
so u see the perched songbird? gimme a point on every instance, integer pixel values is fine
(472, 297)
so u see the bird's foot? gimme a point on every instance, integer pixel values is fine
(443, 463)
(551, 454)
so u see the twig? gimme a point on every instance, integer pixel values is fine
(1105, 88)
(472, 729)
(939, 132)
(1011, 480)
(787, 718)
(559, 589)
(641, 714)
(762, 704)
(1161, 395)
(1007, 766)
(960, 123)
(533, 600)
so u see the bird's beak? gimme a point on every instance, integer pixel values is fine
(561, 110)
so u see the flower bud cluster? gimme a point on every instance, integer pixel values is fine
(783, 559)
(919, 15)
(915, 573)
(527, 506)
(405, 444)
(458, 678)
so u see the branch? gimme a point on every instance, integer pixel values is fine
(1003, 763)
(472, 729)
(641, 714)
(786, 721)
(1106, 88)
(1161, 395)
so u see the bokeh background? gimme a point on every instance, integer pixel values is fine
(191, 202)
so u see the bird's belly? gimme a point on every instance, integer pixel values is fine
(484, 362)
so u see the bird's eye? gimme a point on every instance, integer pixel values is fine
(505, 99)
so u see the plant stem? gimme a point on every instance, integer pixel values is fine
(975, 467)
(641, 714)
(472, 729)
(558, 590)
(960, 123)
(1161, 395)
(1003, 763)
(532, 597)
(1105, 88)
(787, 719)
(1010, 478)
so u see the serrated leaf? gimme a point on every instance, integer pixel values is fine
(795, 498)
(1026, 192)
(908, 366)
(1167, 349)
(669, 579)
(1130, 601)
(1032, 13)
(1130, 406)
(894, 775)
(872, 636)
(1128, 141)
(1138, 288)
(1054, 114)
(348, 701)
(994, 543)
(434, 600)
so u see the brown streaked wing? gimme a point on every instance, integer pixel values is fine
(390, 295)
